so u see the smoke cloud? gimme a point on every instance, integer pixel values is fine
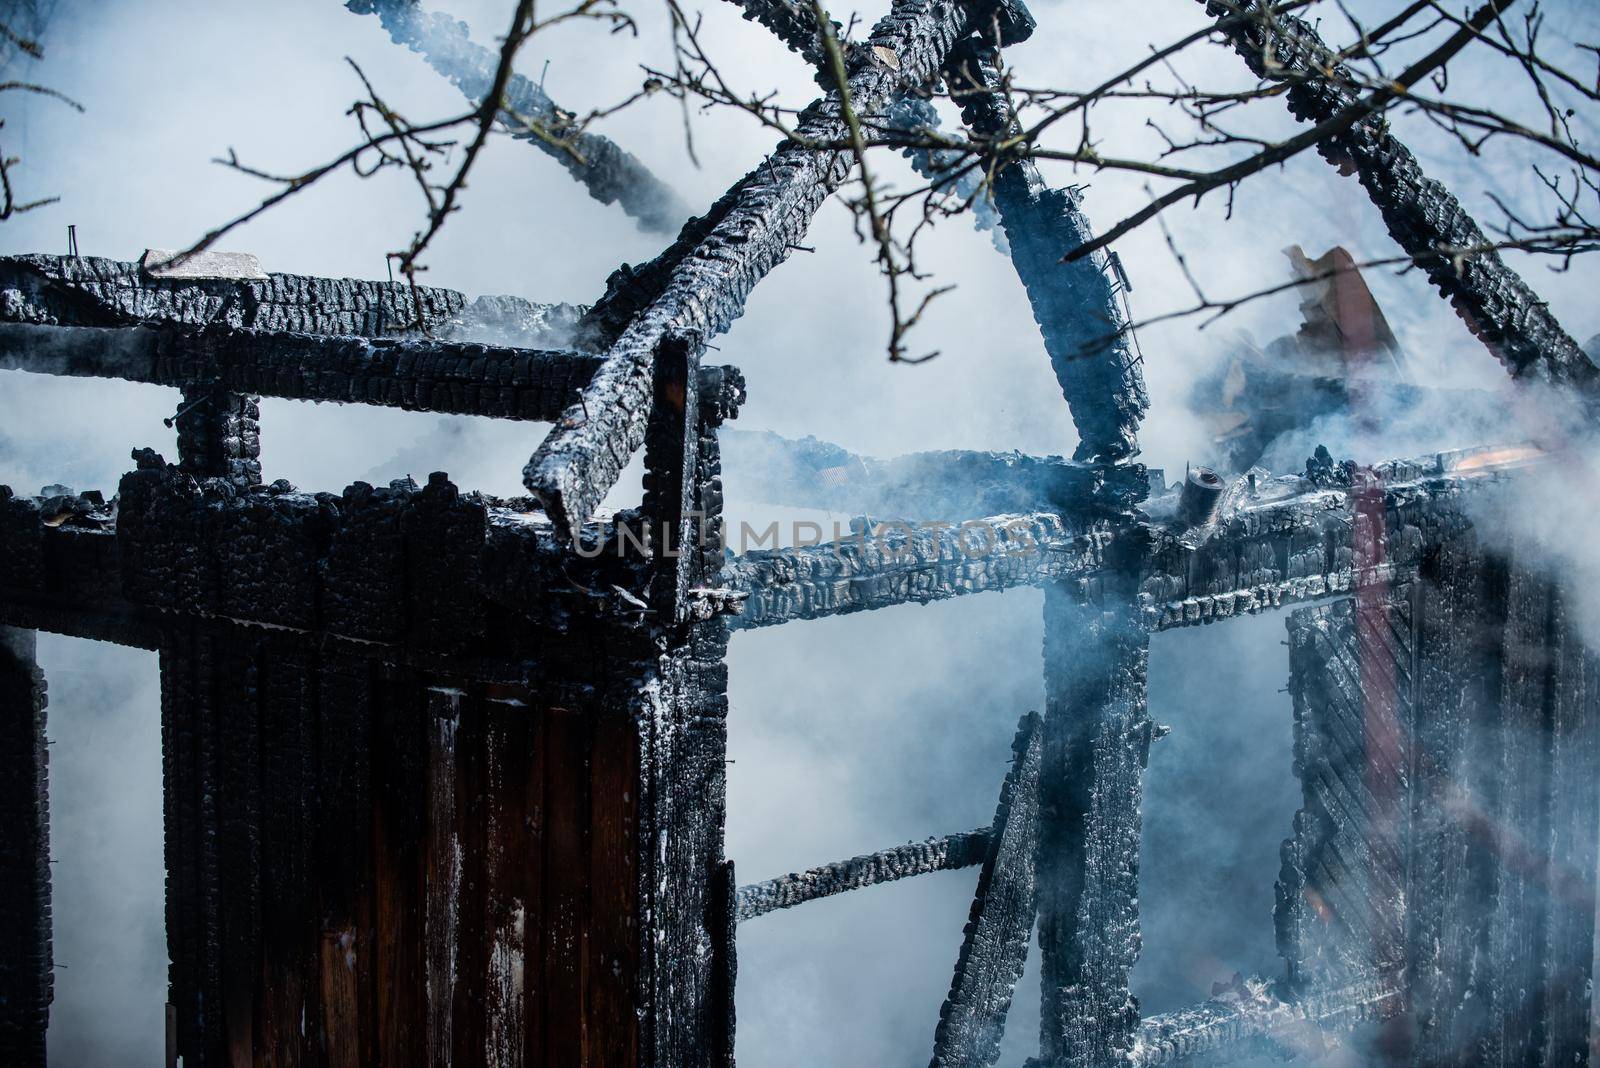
(849, 734)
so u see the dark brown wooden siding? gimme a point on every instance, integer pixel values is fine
(396, 868)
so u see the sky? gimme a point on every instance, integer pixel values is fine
(847, 735)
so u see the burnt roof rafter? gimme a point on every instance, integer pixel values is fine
(610, 173)
(699, 290)
(1422, 216)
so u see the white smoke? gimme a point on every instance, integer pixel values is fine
(850, 734)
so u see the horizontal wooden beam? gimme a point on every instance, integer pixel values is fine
(1293, 539)
(414, 373)
(949, 853)
(949, 484)
(403, 574)
(93, 291)
(895, 562)
(1288, 540)
(1251, 1017)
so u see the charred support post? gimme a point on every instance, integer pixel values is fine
(26, 962)
(219, 435)
(672, 452)
(994, 946)
(1097, 737)
(680, 698)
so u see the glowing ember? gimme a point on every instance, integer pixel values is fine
(1511, 454)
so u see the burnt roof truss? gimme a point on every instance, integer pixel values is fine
(524, 705)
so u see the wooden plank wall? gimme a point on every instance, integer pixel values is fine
(1340, 903)
(1492, 891)
(26, 966)
(371, 865)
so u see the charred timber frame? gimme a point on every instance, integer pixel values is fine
(1291, 540)
(540, 751)
(534, 738)
(413, 374)
(700, 289)
(949, 853)
(994, 944)
(1423, 217)
(1084, 329)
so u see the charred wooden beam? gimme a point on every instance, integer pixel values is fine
(672, 451)
(1423, 217)
(1288, 539)
(1276, 541)
(1251, 1018)
(399, 574)
(949, 853)
(91, 291)
(219, 435)
(945, 485)
(896, 562)
(748, 233)
(795, 24)
(610, 173)
(673, 681)
(414, 374)
(631, 289)
(27, 975)
(994, 945)
(1097, 737)
(1084, 328)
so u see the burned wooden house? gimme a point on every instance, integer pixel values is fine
(444, 774)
